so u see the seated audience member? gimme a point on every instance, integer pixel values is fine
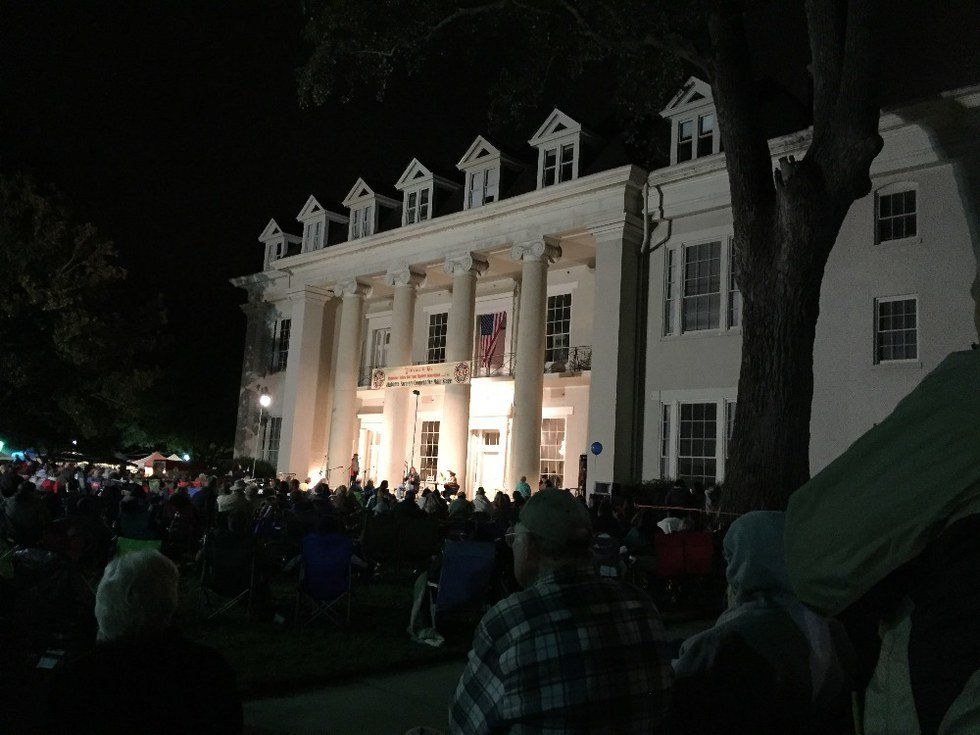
(382, 501)
(409, 507)
(480, 502)
(136, 516)
(235, 501)
(431, 502)
(671, 524)
(460, 505)
(26, 514)
(606, 522)
(137, 677)
(571, 652)
(503, 510)
(887, 537)
(769, 664)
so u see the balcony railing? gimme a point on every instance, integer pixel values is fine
(564, 360)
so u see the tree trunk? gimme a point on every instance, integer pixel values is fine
(785, 226)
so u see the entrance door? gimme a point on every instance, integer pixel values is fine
(490, 472)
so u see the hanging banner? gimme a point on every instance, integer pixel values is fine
(412, 376)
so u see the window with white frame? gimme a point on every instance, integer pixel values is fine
(559, 164)
(280, 345)
(362, 222)
(558, 328)
(697, 443)
(670, 319)
(701, 302)
(697, 137)
(436, 347)
(896, 214)
(314, 234)
(553, 450)
(685, 140)
(729, 425)
(665, 441)
(429, 456)
(734, 295)
(483, 185)
(896, 329)
(417, 206)
(270, 439)
(380, 339)
(706, 135)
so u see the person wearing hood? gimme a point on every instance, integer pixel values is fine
(480, 502)
(768, 665)
(887, 537)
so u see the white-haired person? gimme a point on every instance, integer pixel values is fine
(143, 676)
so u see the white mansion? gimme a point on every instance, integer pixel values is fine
(510, 320)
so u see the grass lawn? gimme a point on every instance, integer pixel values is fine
(277, 658)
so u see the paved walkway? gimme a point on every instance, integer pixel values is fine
(385, 705)
(377, 704)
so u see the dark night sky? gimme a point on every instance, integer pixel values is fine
(175, 128)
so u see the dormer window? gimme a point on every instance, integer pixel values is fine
(559, 142)
(316, 223)
(420, 189)
(559, 164)
(278, 244)
(362, 222)
(482, 187)
(488, 172)
(693, 127)
(417, 206)
(365, 205)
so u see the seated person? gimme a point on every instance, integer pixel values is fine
(480, 502)
(139, 650)
(606, 522)
(137, 518)
(769, 664)
(460, 505)
(409, 507)
(570, 653)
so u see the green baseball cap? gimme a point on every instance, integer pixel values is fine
(556, 516)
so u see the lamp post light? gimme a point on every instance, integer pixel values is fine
(265, 400)
(415, 428)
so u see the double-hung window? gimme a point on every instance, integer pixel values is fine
(553, 450)
(429, 462)
(559, 165)
(697, 439)
(362, 222)
(701, 302)
(665, 441)
(734, 295)
(685, 140)
(670, 321)
(896, 329)
(418, 206)
(270, 440)
(380, 340)
(896, 215)
(436, 348)
(280, 345)
(483, 187)
(558, 328)
(706, 135)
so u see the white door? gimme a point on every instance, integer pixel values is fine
(491, 471)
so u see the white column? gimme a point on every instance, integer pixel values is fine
(395, 432)
(614, 382)
(454, 429)
(340, 445)
(302, 380)
(525, 438)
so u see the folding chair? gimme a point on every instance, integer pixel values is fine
(418, 541)
(465, 577)
(126, 545)
(227, 572)
(325, 577)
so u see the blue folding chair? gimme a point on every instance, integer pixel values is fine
(464, 580)
(325, 577)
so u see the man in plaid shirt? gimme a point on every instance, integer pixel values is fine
(571, 653)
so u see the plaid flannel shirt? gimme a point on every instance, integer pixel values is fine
(573, 653)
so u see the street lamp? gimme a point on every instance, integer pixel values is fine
(265, 400)
(187, 457)
(415, 428)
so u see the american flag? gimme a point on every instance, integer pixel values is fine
(491, 327)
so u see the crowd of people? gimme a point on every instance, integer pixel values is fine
(834, 622)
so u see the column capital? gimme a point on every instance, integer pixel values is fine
(460, 264)
(536, 250)
(351, 287)
(316, 294)
(404, 275)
